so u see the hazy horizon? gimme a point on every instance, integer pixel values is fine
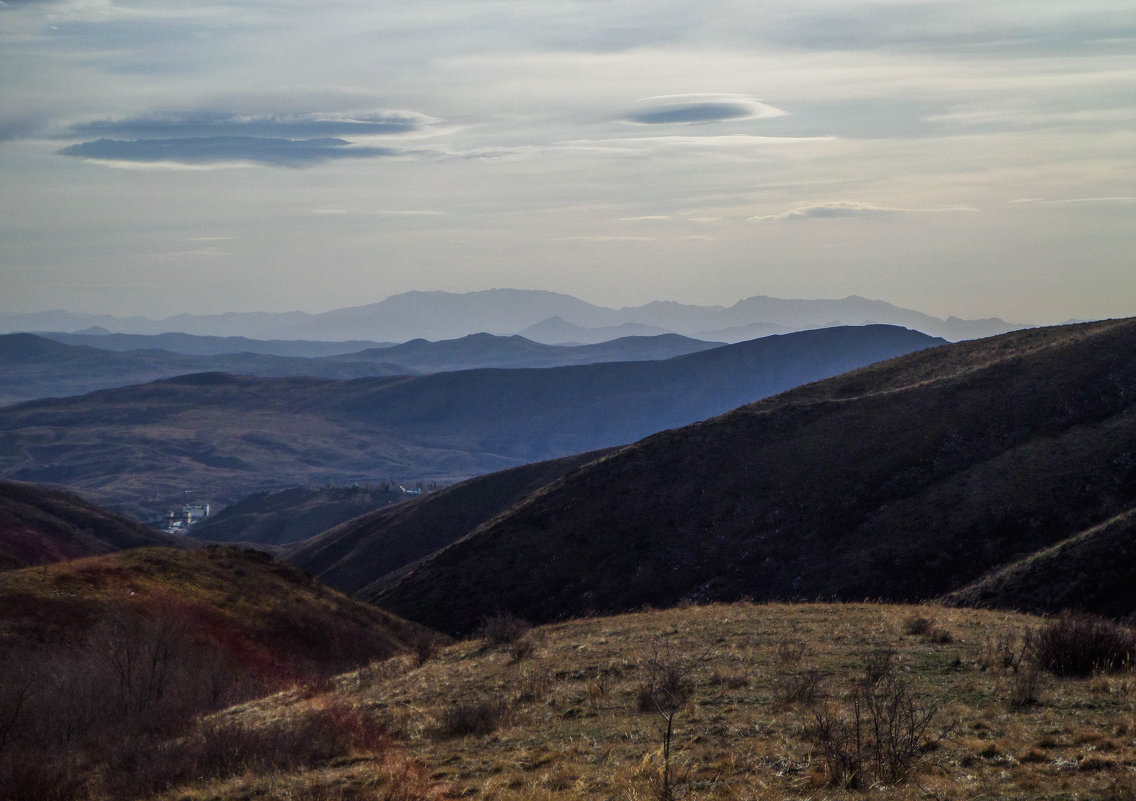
(961, 159)
(377, 301)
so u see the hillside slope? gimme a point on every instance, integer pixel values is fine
(1091, 571)
(265, 615)
(902, 481)
(39, 526)
(360, 551)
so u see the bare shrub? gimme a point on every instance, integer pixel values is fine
(478, 718)
(426, 647)
(939, 636)
(800, 687)
(521, 649)
(533, 683)
(918, 625)
(1025, 687)
(1080, 645)
(503, 628)
(1006, 652)
(878, 664)
(877, 733)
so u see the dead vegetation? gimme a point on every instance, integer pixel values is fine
(755, 702)
(727, 702)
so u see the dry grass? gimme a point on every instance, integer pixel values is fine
(574, 728)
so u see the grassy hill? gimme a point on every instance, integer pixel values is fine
(356, 552)
(40, 525)
(224, 436)
(765, 699)
(103, 658)
(904, 481)
(1090, 571)
(238, 600)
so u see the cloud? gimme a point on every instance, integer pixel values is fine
(1118, 200)
(222, 149)
(219, 124)
(699, 108)
(842, 209)
(380, 212)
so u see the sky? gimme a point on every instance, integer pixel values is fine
(959, 157)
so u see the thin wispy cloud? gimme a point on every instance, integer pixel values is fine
(848, 209)
(225, 149)
(1117, 200)
(217, 124)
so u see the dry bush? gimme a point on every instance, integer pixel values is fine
(426, 647)
(1080, 645)
(877, 734)
(521, 649)
(939, 636)
(478, 718)
(800, 687)
(918, 625)
(503, 628)
(1025, 687)
(1007, 652)
(878, 664)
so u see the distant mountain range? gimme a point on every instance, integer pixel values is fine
(549, 317)
(999, 472)
(44, 366)
(226, 436)
(38, 367)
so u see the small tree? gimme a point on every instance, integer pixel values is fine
(667, 690)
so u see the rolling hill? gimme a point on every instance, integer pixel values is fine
(37, 367)
(1091, 571)
(486, 350)
(224, 436)
(48, 366)
(904, 480)
(103, 658)
(271, 616)
(353, 553)
(39, 526)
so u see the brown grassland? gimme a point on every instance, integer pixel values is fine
(569, 711)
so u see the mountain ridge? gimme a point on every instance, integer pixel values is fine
(902, 480)
(448, 315)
